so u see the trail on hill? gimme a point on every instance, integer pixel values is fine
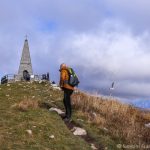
(71, 125)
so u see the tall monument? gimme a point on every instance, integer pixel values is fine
(25, 68)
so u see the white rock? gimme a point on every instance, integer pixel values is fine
(59, 111)
(14, 105)
(29, 132)
(55, 87)
(93, 147)
(79, 131)
(94, 114)
(147, 125)
(40, 81)
(7, 95)
(52, 136)
(80, 120)
(8, 84)
(105, 129)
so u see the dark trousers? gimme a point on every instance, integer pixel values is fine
(67, 102)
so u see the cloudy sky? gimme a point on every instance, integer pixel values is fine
(104, 40)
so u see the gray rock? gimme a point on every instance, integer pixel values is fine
(93, 147)
(79, 131)
(29, 132)
(55, 87)
(80, 120)
(147, 125)
(59, 111)
(51, 136)
(105, 129)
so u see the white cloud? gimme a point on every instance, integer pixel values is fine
(110, 55)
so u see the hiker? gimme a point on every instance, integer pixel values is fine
(68, 90)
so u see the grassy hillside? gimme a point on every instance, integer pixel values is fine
(24, 109)
(16, 117)
(112, 122)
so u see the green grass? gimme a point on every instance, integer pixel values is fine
(43, 123)
(14, 123)
(100, 136)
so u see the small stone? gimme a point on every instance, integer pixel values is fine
(52, 136)
(55, 87)
(7, 95)
(93, 147)
(79, 131)
(94, 114)
(34, 126)
(59, 111)
(14, 105)
(105, 129)
(40, 81)
(8, 84)
(29, 132)
(80, 120)
(147, 125)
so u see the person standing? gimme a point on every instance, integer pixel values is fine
(68, 90)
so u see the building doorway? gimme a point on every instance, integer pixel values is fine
(26, 75)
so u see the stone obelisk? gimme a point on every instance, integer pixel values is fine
(25, 67)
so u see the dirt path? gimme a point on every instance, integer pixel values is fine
(89, 140)
(70, 125)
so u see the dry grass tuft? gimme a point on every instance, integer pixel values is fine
(26, 104)
(123, 121)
